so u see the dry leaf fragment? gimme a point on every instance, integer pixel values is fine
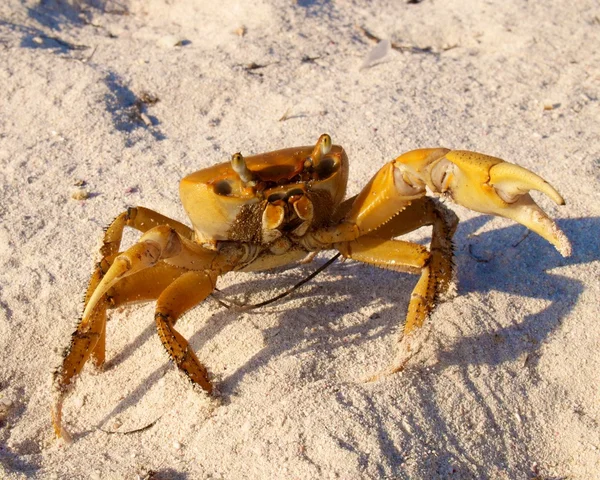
(378, 52)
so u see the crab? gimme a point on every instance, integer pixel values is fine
(272, 209)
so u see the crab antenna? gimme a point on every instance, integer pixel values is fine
(322, 148)
(244, 306)
(239, 166)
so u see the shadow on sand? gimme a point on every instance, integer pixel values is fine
(484, 265)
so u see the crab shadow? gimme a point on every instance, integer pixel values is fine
(519, 263)
(521, 270)
(485, 263)
(384, 418)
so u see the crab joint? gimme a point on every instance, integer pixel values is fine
(322, 148)
(239, 166)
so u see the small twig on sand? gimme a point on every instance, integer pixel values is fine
(129, 432)
(476, 257)
(525, 235)
(250, 67)
(397, 46)
(63, 43)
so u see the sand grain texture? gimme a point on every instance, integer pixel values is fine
(506, 384)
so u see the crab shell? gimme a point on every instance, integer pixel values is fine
(283, 193)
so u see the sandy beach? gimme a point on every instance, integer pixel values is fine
(105, 105)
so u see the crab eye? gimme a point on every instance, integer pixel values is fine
(326, 167)
(276, 196)
(295, 191)
(325, 144)
(223, 188)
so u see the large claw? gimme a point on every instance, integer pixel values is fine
(484, 184)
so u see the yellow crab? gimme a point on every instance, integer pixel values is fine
(268, 210)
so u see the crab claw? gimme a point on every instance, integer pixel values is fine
(484, 184)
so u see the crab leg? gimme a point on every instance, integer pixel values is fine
(407, 257)
(435, 266)
(131, 270)
(142, 219)
(184, 293)
(145, 285)
(423, 212)
(156, 244)
(91, 328)
(90, 336)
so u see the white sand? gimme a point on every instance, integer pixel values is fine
(506, 384)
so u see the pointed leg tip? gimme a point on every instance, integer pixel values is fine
(394, 368)
(373, 378)
(62, 435)
(558, 238)
(59, 430)
(564, 245)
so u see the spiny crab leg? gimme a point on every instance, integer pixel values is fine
(322, 148)
(158, 243)
(435, 265)
(161, 243)
(88, 340)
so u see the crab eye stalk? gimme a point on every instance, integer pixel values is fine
(239, 166)
(325, 143)
(322, 148)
